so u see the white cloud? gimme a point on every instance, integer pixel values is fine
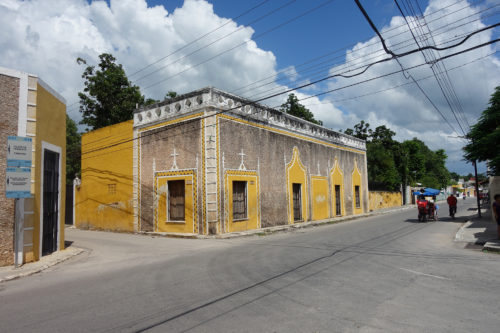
(405, 109)
(45, 38)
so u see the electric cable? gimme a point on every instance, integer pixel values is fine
(300, 87)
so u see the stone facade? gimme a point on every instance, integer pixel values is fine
(212, 140)
(9, 105)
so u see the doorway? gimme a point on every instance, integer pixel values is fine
(297, 202)
(338, 207)
(50, 201)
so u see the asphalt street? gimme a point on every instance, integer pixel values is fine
(386, 273)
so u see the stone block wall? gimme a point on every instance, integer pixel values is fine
(9, 106)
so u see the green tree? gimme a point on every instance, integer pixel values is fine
(484, 136)
(73, 151)
(454, 176)
(361, 131)
(170, 95)
(108, 97)
(382, 171)
(293, 107)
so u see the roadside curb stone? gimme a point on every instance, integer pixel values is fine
(10, 273)
(493, 246)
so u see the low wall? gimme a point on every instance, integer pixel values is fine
(381, 199)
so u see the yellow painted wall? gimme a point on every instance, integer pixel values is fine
(51, 128)
(97, 205)
(253, 220)
(296, 173)
(356, 181)
(337, 178)
(162, 224)
(320, 202)
(381, 199)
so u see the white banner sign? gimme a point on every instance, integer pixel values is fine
(18, 151)
(18, 182)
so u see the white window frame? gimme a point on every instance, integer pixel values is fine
(55, 149)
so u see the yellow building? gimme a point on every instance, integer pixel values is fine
(209, 162)
(104, 199)
(31, 108)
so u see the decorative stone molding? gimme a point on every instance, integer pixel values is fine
(209, 99)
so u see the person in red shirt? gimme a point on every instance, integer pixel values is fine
(452, 203)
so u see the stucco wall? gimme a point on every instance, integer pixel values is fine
(381, 199)
(51, 129)
(9, 106)
(104, 198)
(271, 152)
(156, 149)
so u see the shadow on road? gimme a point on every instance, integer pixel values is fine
(440, 219)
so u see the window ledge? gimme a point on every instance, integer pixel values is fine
(179, 222)
(241, 220)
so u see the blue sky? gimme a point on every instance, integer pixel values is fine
(45, 37)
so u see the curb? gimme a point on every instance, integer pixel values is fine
(16, 275)
(492, 246)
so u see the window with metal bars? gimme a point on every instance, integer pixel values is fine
(240, 200)
(338, 207)
(176, 200)
(357, 194)
(297, 202)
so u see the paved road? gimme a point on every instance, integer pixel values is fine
(378, 274)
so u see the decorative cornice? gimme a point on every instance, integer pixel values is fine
(210, 99)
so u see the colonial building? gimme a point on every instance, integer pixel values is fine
(30, 108)
(209, 162)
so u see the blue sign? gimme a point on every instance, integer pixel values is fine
(19, 151)
(18, 183)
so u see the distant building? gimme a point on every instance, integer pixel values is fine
(30, 108)
(209, 162)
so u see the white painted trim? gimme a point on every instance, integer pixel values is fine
(56, 149)
(28, 228)
(23, 105)
(13, 72)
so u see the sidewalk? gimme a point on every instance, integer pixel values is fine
(11, 273)
(480, 231)
(285, 227)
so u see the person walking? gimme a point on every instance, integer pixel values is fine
(452, 203)
(496, 211)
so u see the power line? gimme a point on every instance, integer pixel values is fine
(400, 33)
(396, 86)
(201, 37)
(421, 49)
(432, 68)
(215, 41)
(428, 15)
(244, 43)
(299, 87)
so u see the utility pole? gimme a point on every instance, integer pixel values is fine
(477, 190)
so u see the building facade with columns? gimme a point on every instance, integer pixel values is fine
(209, 162)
